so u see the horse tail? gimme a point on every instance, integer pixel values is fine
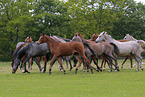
(22, 51)
(116, 49)
(92, 51)
(17, 49)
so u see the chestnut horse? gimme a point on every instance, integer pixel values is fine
(59, 49)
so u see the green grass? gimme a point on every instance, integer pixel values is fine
(126, 83)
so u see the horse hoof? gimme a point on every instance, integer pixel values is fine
(64, 72)
(76, 70)
(13, 72)
(70, 69)
(100, 70)
(115, 70)
(137, 70)
(49, 73)
(97, 70)
(91, 72)
(142, 68)
(28, 72)
(110, 71)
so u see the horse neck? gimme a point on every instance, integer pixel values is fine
(52, 43)
(83, 39)
(133, 39)
(109, 39)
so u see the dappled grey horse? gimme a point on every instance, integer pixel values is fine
(31, 50)
(103, 48)
(125, 48)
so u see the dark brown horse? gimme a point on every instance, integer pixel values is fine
(59, 49)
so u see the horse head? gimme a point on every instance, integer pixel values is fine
(94, 36)
(128, 37)
(42, 38)
(77, 37)
(101, 37)
(15, 65)
(28, 39)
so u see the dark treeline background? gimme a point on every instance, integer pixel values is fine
(22, 18)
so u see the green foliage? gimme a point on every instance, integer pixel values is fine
(20, 18)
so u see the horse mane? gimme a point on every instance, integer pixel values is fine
(58, 38)
(17, 49)
(21, 52)
(82, 37)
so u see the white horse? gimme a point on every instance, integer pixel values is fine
(131, 38)
(125, 48)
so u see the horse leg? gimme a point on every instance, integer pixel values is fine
(88, 63)
(110, 62)
(80, 62)
(102, 62)
(51, 63)
(60, 62)
(130, 57)
(138, 59)
(124, 61)
(69, 60)
(24, 64)
(38, 64)
(30, 63)
(66, 60)
(96, 63)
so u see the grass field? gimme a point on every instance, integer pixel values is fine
(126, 83)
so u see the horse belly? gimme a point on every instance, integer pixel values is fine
(125, 51)
(66, 52)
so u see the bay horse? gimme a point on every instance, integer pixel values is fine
(103, 48)
(59, 49)
(125, 48)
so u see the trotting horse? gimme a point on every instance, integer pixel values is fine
(103, 48)
(59, 49)
(141, 42)
(67, 58)
(125, 48)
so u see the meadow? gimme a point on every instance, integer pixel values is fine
(125, 83)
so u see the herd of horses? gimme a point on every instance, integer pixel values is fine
(77, 49)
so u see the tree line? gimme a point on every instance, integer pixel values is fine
(22, 18)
